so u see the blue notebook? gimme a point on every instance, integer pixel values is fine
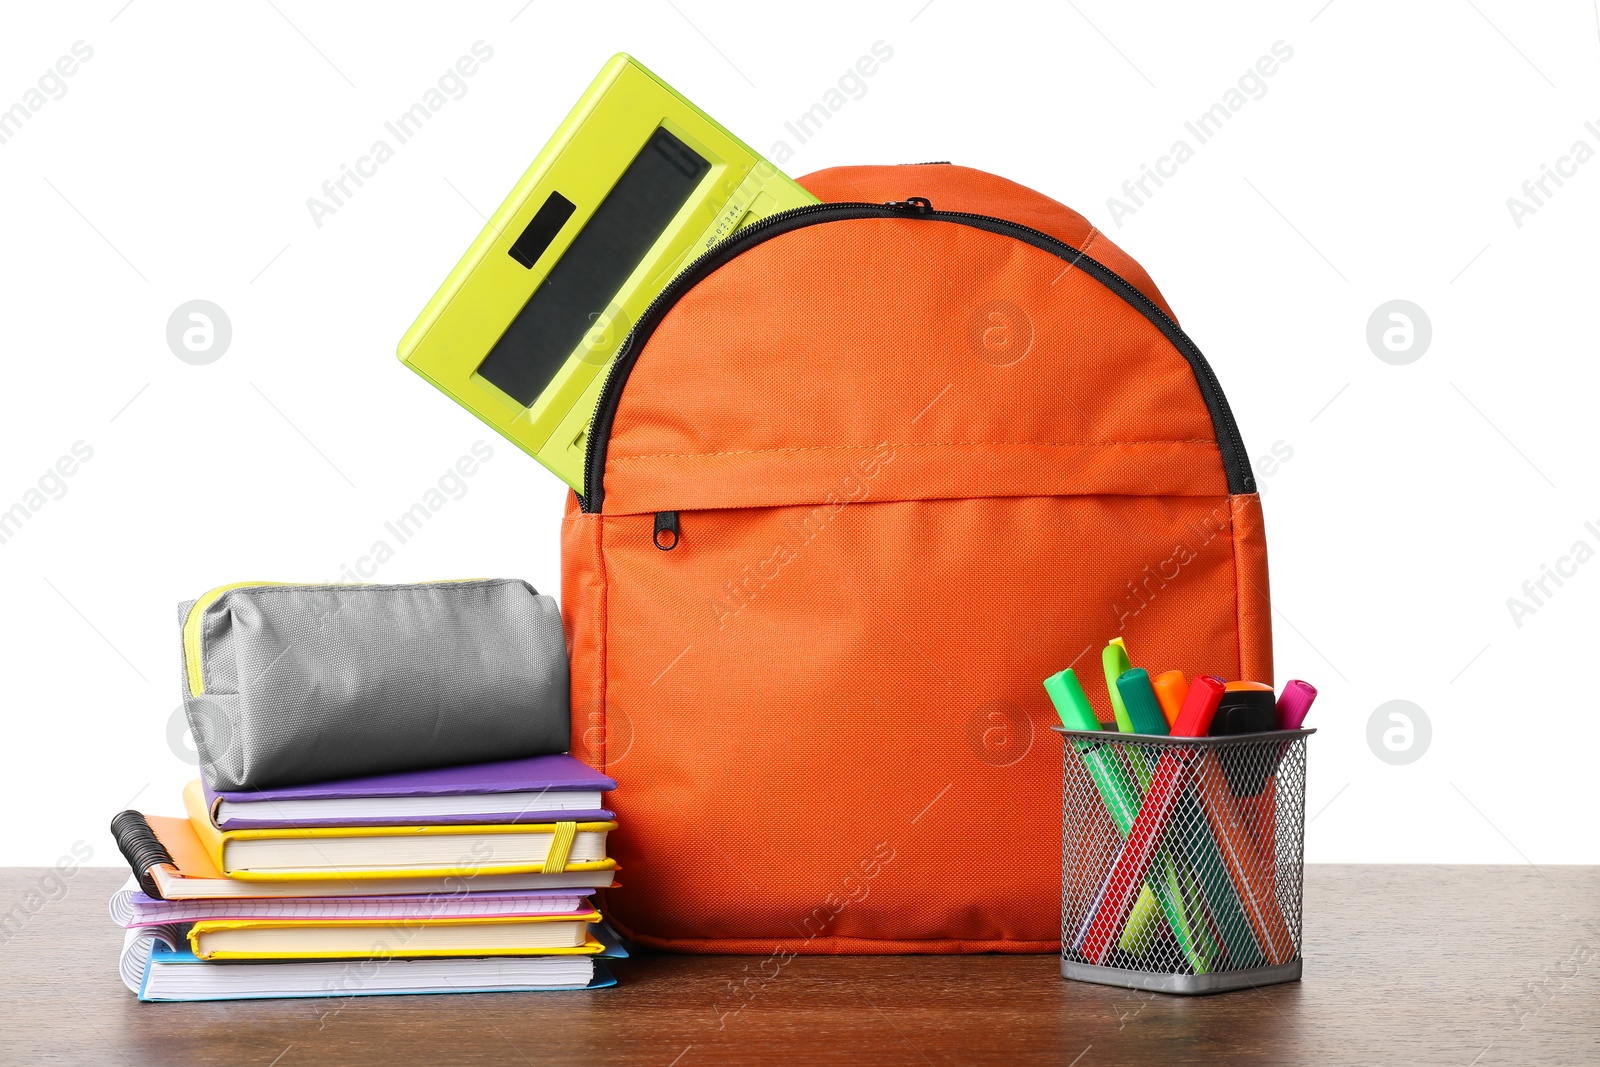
(174, 975)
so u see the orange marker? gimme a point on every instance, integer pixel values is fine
(1170, 688)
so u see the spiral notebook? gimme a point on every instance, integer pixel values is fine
(131, 906)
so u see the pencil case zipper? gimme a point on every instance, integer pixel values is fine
(194, 669)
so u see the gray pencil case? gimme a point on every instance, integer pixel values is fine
(287, 684)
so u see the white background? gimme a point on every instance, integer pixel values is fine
(1377, 166)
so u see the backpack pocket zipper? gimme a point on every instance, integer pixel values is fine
(666, 534)
(1235, 461)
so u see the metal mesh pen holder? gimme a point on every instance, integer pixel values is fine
(1182, 859)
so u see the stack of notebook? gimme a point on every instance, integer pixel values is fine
(463, 879)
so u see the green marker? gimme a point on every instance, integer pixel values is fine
(1072, 704)
(1144, 714)
(1216, 888)
(1114, 661)
(1121, 799)
(1139, 704)
(1116, 792)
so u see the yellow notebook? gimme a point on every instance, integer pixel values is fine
(357, 852)
(330, 939)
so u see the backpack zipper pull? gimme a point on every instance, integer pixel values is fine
(666, 535)
(919, 205)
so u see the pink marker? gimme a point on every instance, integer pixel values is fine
(1294, 703)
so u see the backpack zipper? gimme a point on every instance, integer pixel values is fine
(1235, 461)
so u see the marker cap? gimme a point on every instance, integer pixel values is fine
(1171, 687)
(1070, 701)
(1199, 707)
(1247, 708)
(1139, 700)
(1294, 703)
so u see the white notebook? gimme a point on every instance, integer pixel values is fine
(154, 968)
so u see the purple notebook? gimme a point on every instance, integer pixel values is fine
(537, 789)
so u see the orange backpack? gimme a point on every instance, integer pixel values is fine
(860, 479)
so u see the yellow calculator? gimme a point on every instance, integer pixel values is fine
(635, 184)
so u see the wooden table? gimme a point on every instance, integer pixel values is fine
(1465, 966)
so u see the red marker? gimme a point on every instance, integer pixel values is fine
(1123, 881)
(1199, 707)
(1117, 893)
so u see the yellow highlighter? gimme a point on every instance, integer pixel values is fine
(635, 183)
(1114, 661)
